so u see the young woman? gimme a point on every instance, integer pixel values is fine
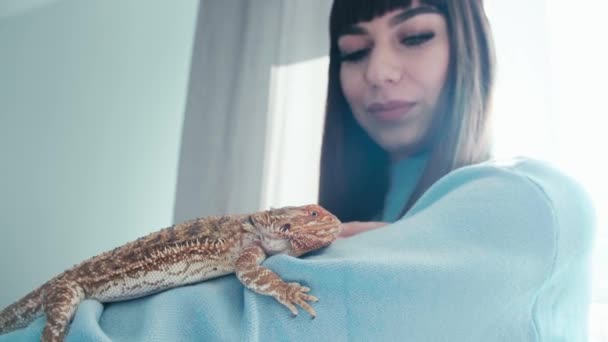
(467, 249)
(407, 141)
(411, 84)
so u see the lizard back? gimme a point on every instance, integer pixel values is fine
(182, 254)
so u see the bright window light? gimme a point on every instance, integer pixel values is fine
(295, 123)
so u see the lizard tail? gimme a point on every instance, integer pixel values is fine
(23, 312)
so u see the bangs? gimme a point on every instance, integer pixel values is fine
(345, 13)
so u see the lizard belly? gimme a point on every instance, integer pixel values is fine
(146, 282)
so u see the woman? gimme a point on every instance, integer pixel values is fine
(475, 251)
(435, 63)
(407, 141)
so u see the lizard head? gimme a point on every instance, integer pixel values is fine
(295, 230)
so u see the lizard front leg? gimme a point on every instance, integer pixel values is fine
(263, 281)
(60, 304)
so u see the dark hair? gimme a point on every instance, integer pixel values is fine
(354, 169)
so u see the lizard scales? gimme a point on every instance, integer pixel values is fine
(185, 253)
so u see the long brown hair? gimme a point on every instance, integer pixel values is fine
(354, 169)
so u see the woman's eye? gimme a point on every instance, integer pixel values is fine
(354, 56)
(418, 39)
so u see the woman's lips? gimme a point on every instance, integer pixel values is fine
(390, 111)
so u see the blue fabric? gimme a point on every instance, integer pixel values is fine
(492, 252)
(404, 175)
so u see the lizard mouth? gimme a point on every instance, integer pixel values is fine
(306, 242)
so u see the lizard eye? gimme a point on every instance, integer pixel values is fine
(314, 213)
(285, 228)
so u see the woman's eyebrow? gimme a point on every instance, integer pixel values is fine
(412, 12)
(396, 20)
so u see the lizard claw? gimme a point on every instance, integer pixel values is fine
(294, 293)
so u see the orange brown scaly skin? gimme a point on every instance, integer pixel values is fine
(186, 253)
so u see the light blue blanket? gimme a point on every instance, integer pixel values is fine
(490, 253)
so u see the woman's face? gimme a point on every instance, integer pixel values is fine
(393, 69)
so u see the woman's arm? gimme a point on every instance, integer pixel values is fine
(489, 253)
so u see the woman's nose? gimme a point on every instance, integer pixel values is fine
(383, 68)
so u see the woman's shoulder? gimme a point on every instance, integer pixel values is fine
(540, 172)
(562, 191)
(551, 183)
(520, 187)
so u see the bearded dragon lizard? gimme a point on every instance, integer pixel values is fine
(186, 253)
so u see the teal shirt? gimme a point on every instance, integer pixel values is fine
(556, 309)
(491, 252)
(404, 175)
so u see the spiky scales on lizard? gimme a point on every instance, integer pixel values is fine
(185, 253)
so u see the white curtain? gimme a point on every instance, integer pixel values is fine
(248, 109)
(254, 118)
